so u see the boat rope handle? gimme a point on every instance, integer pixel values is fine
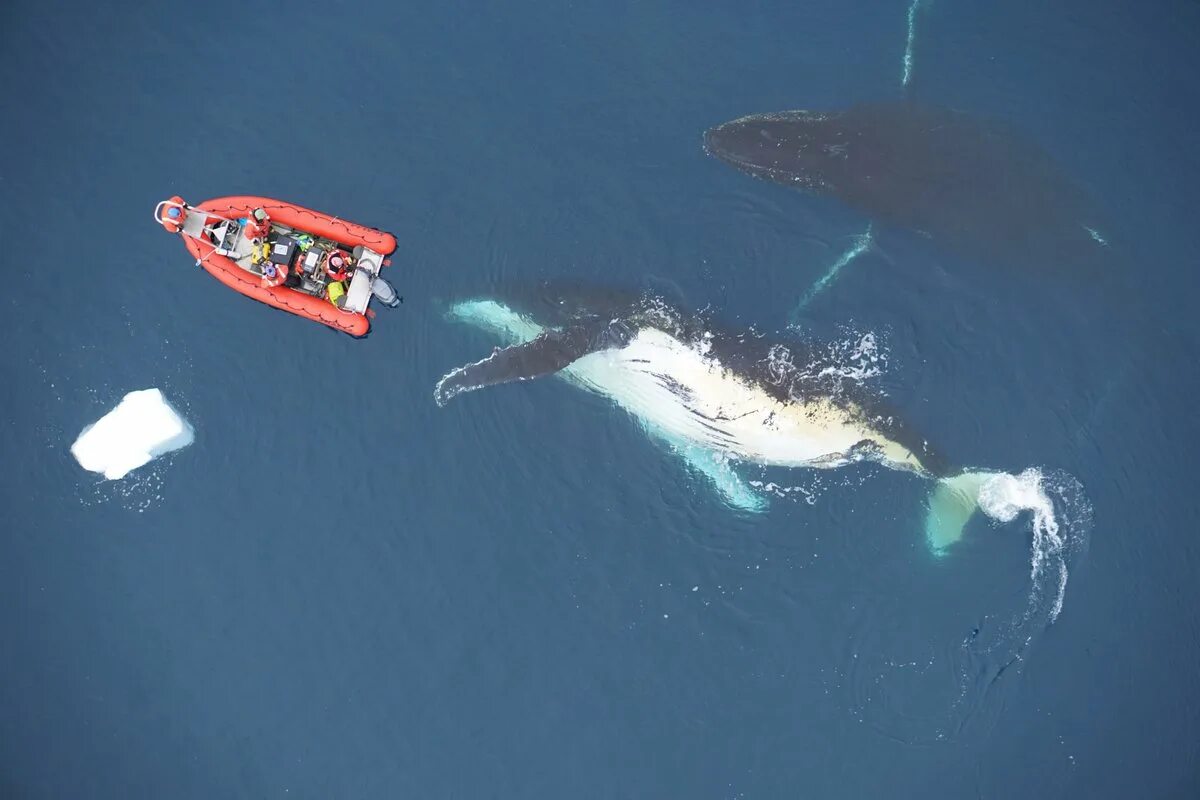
(158, 209)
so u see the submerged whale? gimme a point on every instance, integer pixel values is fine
(715, 397)
(977, 188)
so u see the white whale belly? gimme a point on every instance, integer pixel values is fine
(674, 387)
(675, 390)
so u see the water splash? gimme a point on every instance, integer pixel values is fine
(859, 359)
(915, 690)
(1002, 497)
(1060, 529)
(857, 356)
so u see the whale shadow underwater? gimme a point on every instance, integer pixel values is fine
(973, 186)
(716, 397)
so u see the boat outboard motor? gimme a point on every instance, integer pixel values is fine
(384, 292)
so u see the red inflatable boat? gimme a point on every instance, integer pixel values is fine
(302, 261)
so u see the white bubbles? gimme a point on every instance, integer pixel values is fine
(138, 491)
(1003, 496)
(936, 676)
(854, 355)
(808, 494)
(910, 43)
(780, 366)
(1057, 533)
(858, 358)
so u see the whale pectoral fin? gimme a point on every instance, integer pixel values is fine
(732, 488)
(546, 354)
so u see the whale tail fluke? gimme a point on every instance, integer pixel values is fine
(951, 505)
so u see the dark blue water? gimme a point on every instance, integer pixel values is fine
(341, 590)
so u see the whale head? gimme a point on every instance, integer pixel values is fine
(795, 148)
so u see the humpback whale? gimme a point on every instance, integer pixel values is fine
(713, 396)
(971, 185)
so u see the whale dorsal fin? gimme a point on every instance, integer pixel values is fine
(546, 354)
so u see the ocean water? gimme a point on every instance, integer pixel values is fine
(342, 590)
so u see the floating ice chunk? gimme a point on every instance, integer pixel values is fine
(142, 426)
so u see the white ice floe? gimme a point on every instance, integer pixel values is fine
(143, 426)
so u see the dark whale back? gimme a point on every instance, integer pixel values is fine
(973, 185)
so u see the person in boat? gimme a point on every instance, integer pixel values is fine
(337, 266)
(175, 216)
(335, 292)
(257, 225)
(273, 274)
